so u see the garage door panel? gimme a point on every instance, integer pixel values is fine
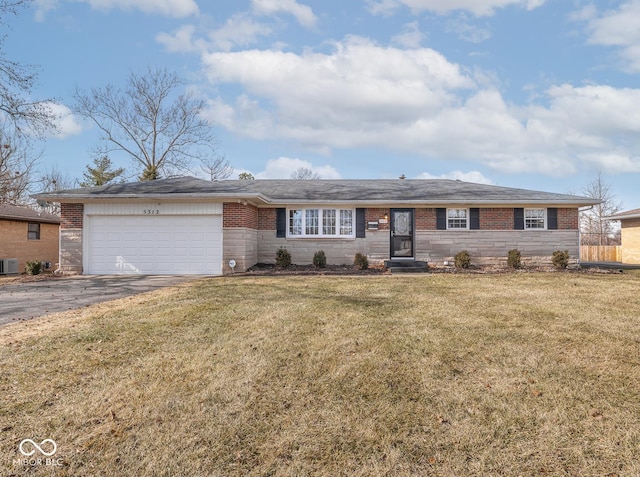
(154, 245)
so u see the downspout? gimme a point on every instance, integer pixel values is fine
(580, 232)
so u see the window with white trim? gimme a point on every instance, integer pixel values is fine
(458, 219)
(535, 219)
(33, 231)
(320, 223)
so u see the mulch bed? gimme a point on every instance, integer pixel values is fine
(271, 269)
(267, 269)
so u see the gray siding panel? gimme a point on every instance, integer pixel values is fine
(241, 245)
(71, 251)
(493, 246)
(433, 246)
(338, 251)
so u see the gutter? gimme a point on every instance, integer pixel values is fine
(380, 202)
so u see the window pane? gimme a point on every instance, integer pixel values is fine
(534, 218)
(346, 222)
(33, 232)
(329, 222)
(312, 222)
(457, 218)
(295, 222)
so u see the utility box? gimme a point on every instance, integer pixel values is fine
(8, 266)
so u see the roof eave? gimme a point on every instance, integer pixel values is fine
(623, 217)
(478, 202)
(18, 218)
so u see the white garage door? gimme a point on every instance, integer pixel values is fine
(148, 245)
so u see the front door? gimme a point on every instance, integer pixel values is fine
(401, 233)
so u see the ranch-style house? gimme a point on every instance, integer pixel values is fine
(186, 225)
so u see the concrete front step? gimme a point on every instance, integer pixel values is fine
(401, 270)
(406, 266)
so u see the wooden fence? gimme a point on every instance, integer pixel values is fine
(600, 253)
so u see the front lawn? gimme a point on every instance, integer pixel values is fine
(444, 375)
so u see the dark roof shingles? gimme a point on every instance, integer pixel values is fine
(26, 214)
(280, 191)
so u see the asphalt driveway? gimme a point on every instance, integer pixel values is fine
(23, 301)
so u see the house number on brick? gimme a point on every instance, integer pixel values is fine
(151, 212)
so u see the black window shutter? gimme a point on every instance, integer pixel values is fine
(360, 223)
(281, 222)
(518, 219)
(441, 219)
(474, 219)
(552, 218)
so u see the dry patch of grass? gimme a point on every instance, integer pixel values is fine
(519, 374)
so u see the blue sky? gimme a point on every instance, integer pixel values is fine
(539, 94)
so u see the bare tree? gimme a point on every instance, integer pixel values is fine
(21, 115)
(54, 180)
(16, 168)
(595, 228)
(162, 131)
(217, 168)
(305, 174)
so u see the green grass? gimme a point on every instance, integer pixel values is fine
(514, 374)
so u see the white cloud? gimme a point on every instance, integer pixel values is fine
(302, 13)
(240, 30)
(476, 7)
(43, 7)
(411, 36)
(586, 13)
(414, 101)
(467, 31)
(283, 167)
(382, 7)
(359, 83)
(616, 28)
(68, 124)
(181, 41)
(471, 176)
(169, 8)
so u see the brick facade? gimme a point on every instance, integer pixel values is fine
(425, 219)
(237, 215)
(14, 243)
(568, 219)
(374, 215)
(267, 219)
(630, 240)
(491, 218)
(496, 218)
(71, 216)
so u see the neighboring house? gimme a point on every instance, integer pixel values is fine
(26, 234)
(191, 226)
(630, 230)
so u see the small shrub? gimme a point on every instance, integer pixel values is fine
(320, 259)
(34, 267)
(514, 258)
(283, 258)
(560, 259)
(361, 261)
(462, 259)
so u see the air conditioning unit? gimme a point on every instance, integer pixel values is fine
(8, 266)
